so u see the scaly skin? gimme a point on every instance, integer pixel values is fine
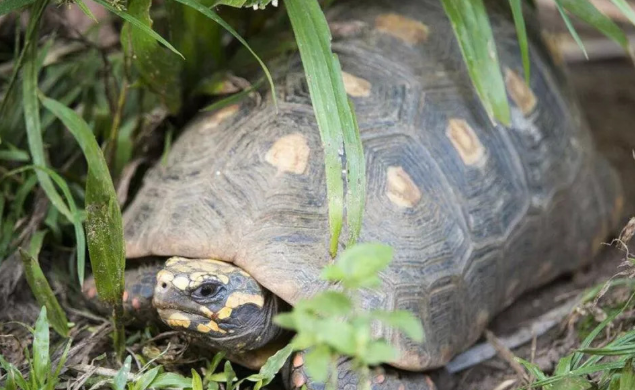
(227, 309)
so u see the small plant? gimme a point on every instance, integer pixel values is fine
(332, 324)
(573, 370)
(41, 376)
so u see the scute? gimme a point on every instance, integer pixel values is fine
(469, 233)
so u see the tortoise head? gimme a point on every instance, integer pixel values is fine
(217, 301)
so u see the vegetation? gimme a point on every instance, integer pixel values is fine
(78, 117)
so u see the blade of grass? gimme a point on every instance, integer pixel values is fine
(212, 15)
(474, 34)
(32, 117)
(82, 6)
(521, 31)
(41, 341)
(54, 377)
(138, 24)
(570, 27)
(586, 11)
(158, 69)
(335, 116)
(7, 6)
(626, 9)
(76, 220)
(235, 98)
(43, 293)
(104, 225)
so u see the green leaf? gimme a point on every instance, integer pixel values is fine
(627, 382)
(285, 320)
(146, 379)
(378, 352)
(120, 380)
(521, 31)
(329, 303)
(338, 334)
(586, 11)
(13, 375)
(570, 27)
(230, 376)
(32, 116)
(171, 380)
(7, 6)
(272, 366)
(317, 362)
(14, 154)
(86, 10)
(572, 383)
(474, 34)
(104, 225)
(334, 114)
(36, 243)
(54, 376)
(402, 320)
(158, 69)
(213, 365)
(75, 213)
(212, 15)
(244, 3)
(43, 293)
(626, 9)
(138, 24)
(360, 264)
(41, 359)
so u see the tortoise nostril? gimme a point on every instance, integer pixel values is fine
(164, 285)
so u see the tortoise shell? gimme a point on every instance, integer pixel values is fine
(476, 212)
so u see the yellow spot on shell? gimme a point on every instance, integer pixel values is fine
(520, 92)
(210, 326)
(181, 282)
(178, 320)
(408, 30)
(224, 313)
(239, 298)
(355, 86)
(400, 188)
(465, 141)
(217, 118)
(289, 154)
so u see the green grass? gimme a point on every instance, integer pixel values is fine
(69, 127)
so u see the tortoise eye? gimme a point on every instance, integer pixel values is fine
(207, 290)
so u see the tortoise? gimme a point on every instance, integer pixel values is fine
(477, 213)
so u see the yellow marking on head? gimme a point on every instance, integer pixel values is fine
(206, 311)
(181, 282)
(165, 276)
(178, 320)
(400, 188)
(520, 92)
(217, 118)
(356, 86)
(465, 141)
(224, 313)
(289, 154)
(240, 298)
(210, 326)
(408, 30)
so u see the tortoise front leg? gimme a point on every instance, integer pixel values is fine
(382, 378)
(137, 296)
